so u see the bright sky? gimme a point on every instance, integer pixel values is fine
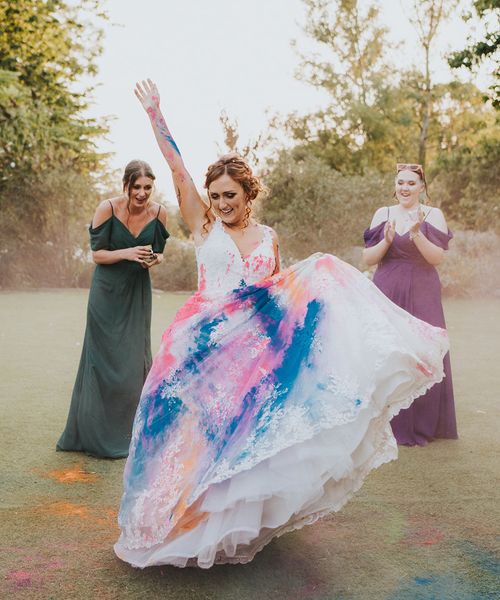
(209, 55)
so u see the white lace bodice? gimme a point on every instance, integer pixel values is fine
(221, 268)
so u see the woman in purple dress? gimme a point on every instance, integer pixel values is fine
(407, 241)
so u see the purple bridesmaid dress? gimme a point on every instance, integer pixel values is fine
(412, 283)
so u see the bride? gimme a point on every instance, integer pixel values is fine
(271, 395)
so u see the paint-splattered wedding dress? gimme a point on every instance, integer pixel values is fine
(268, 403)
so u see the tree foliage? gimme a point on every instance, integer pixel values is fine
(488, 48)
(48, 158)
(45, 49)
(360, 123)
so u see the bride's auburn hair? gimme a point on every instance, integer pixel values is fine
(239, 170)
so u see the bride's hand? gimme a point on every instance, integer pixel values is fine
(148, 95)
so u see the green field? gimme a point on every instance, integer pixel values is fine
(424, 527)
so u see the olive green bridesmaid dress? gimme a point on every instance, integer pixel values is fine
(116, 354)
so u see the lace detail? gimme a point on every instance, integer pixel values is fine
(221, 268)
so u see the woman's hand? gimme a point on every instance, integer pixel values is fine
(389, 231)
(418, 218)
(137, 254)
(157, 259)
(148, 95)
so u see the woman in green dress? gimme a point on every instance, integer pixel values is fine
(127, 237)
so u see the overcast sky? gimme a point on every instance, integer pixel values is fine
(209, 55)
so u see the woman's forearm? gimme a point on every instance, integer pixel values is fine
(372, 256)
(109, 257)
(165, 140)
(433, 254)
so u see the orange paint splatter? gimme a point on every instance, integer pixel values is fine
(65, 509)
(74, 474)
(107, 517)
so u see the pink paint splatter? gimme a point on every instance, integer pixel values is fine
(20, 578)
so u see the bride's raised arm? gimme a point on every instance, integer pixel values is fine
(192, 207)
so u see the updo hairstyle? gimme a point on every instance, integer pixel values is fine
(238, 169)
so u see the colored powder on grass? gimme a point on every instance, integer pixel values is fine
(65, 509)
(20, 578)
(74, 474)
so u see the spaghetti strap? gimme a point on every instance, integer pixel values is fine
(158, 213)
(111, 204)
(388, 208)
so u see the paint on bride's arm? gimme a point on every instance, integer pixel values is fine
(159, 123)
(170, 139)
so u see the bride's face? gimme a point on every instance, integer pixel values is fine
(228, 200)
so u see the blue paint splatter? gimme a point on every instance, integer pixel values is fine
(423, 580)
(295, 355)
(171, 141)
(483, 559)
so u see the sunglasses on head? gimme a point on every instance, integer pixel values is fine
(416, 168)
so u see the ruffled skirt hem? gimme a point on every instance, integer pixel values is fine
(289, 490)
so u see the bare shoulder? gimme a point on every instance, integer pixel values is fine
(435, 217)
(379, 216)
(161, 211)
(103, 212)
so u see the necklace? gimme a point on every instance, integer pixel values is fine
(411, 214)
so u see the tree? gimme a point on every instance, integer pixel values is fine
(488, 48)
(48, 159)
(232, 136)
(44, 50)
(429, 15)
(361, 123)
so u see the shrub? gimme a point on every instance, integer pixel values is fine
(178, 272)
(470, 267)
(316, 209)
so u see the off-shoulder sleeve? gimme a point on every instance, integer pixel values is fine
(374, 235)
(160, 238)
(436, 236)
(100, 235)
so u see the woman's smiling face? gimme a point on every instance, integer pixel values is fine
(140, 192)
(228, 200)
(408, 187)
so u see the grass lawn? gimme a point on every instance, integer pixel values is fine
(421, 528)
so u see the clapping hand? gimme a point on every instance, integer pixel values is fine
(418, 218)
(389, 231)
(148, 95)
